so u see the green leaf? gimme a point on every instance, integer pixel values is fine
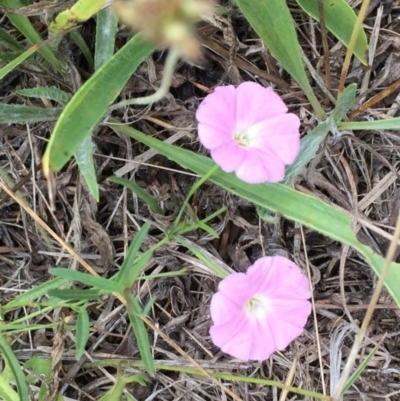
(87, 279)
(90, 103)
(82, 332)
(17, 61)
(331, 221)
(76, 294)
(13, 363)
(106, 29)
(274, 25)
(84, 158)
(24, 25)
(345, 103)
(139, 192)
(9, 41)
(47, 92)
(131, 255)
(142, 338)
(137, 268)
(390, 123)
(340, 20)
(309, 146)
(80, 42)
(15, 113)
(34, 294)
(7, 393)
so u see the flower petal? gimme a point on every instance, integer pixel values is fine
(212, 137)
(254, 104)
(279, 135)
(229, 156)
(219, 109)
(259, 167)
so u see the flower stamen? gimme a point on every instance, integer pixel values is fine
(241, 138)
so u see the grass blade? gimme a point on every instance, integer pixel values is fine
(82, 332)
(15, 113)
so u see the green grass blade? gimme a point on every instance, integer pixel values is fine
(75, 294)
(84, 158)
(142, 338)
(139, 192)
(17, 61)
(106, 29)
(274, 25)
(47, 92)
(131, 255)
(82, 332)
(331, 221)
(84, 48)
(344, 104)
(34, 294)
(390, 123)
(87, 279)
(24, 25)
(340, 20)
(9, 41)
(13, 363)
(90, 103)
(15, 113)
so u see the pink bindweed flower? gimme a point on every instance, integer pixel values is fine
(248, 130)
(260, 311)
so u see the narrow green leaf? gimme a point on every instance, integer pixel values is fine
(7, 393)
(106, 29)
(47, 92)
(24, 25)
(82, 332)
(17, 61)
(139, 192)
(13, 363)
(9, 41)
(345, 103)
(84, 158)
(331, 221)
(131, 255)
(76, 294)
(390, 123)
(309, 146)
(137, 268)
(34, 294)
(90, 103)
(87, 279)
(274, 25)
(80, 42)
(15, 113)
(142, 338)
(340, 20)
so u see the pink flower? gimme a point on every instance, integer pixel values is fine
(248, 130)
(260, 311)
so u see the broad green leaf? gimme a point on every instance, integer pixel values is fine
(15, 113)
(106, 29)
(7, 393)
(329, 220)
(389, 123)
(142, 338)
(274, 25)
(84, 158)
(47, 92)
(309, 146)
(85, 278)
(90, 103)
(139, 192)
(131, 255)
(24, 25)
(12, 361)
(340, 20)
(34, 294)
(82, 333)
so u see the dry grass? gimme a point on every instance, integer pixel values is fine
(355, 171)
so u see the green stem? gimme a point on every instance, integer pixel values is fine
(169, 69)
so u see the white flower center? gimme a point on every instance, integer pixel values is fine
(257, 306)
(240, 136)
